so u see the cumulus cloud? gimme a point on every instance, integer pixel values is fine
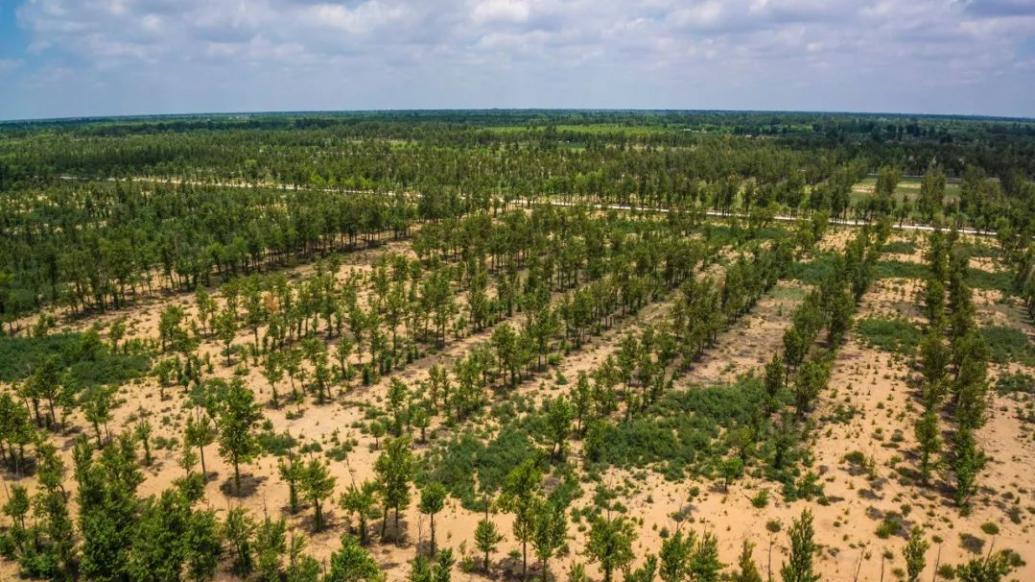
(296, 54)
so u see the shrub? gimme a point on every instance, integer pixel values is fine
(890, 335)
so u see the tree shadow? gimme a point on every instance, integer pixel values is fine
(249, 485)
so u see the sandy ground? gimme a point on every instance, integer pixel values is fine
(872, 383)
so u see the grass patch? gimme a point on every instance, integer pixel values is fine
(891, 335)
(815, 271)
(1008, 344)
(691, 432)
(87, 360)
(899, 270)
(1018, 382)
(982, 279)
(899, 247)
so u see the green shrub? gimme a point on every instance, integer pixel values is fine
(899, 270)
(890, 335)
(89, 361)
(1015, 382)
(1008, 344)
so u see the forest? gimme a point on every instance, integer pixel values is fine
(534, 344)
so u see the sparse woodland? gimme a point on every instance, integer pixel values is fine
(511, 345)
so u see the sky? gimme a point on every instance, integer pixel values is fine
(69, 58)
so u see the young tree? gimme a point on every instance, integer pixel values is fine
(486, 538)
(610, 544)
(992, 568)
(520, 491)
(803, 550)
(225, 325)
(273, 370)
(97, 402)
(732, 467)
(237, 419)
(142, 431)
(704, 564)
(549, 530)
(360, 501)
(675, 554)
(559, 415)
(747, 571)
(394, 468)
(915, 554)
(292, 471)
(200, 433)
(432, 501)
(317, 484)
(968, 460)
(774, 381)
(352, 563)
(929, 437)
(238, 530)
(270, 547)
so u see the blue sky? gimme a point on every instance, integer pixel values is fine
(62, 58)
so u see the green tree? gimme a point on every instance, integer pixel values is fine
(394, 468)
(352, 563)
(432, 501)
(238, 417)
(238, 530)
(292, 471)
(610, 544)
(200, 433)
(317, 485)
(914, 553)
(549, 531)
(360, 501)
(803, 550)
(520, 491)
(747, 571)
(486, 538)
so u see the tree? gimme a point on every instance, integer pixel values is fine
(238, 530)
(811, 378)
(803, 549)
(520, 490)
(424, 570)
(97, 402)
(394, 468)
(143, 433)
(270, 547)
(559, 415)
(432, 500)
(273, 370)
(352, 563)
(732, 467)
(991, 568)
(237, 419)
(225, 325)
(610, 544)
(967, 462)
(200, 433)
(747, 571)
(549, 530)
(774, 380)
(915, 552)
(704, 563)
(675, 556)
(292, 471)
(360, 501)
(929, 438)
(317, 484)
(486, 538)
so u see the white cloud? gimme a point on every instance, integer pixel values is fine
(863, 54)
